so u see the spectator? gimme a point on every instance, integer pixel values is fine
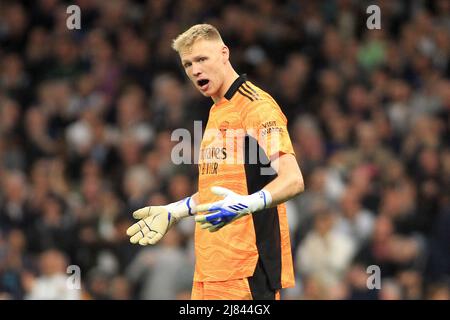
(325, 254)
(356, 222)
(52, 281)
(164, 272)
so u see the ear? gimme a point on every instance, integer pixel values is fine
(225, 54)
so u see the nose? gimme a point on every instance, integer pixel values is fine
(196, 70)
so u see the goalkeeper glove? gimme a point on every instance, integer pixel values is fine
(232, 207)
(157, 220)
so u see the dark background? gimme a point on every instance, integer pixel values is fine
(86, 117)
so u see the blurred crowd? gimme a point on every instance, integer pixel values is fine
(86, 118)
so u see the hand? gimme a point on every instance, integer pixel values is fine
(155, 221)
(232, 207)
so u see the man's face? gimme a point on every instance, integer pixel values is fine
(204, 64)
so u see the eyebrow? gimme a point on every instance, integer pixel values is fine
(193, 59)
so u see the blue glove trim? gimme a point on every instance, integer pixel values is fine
(220, 215)
(189, 206)
(264, 196)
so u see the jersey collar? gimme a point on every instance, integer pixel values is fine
(235, 86)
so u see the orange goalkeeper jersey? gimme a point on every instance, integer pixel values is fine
(245, 129)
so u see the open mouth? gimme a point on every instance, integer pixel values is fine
(202, 83)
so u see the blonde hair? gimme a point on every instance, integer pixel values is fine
(199, 31)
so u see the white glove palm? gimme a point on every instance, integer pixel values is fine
(155, 221)
(232, 207)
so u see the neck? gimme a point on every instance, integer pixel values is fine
(231, 75)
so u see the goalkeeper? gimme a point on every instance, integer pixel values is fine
(247, 170)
